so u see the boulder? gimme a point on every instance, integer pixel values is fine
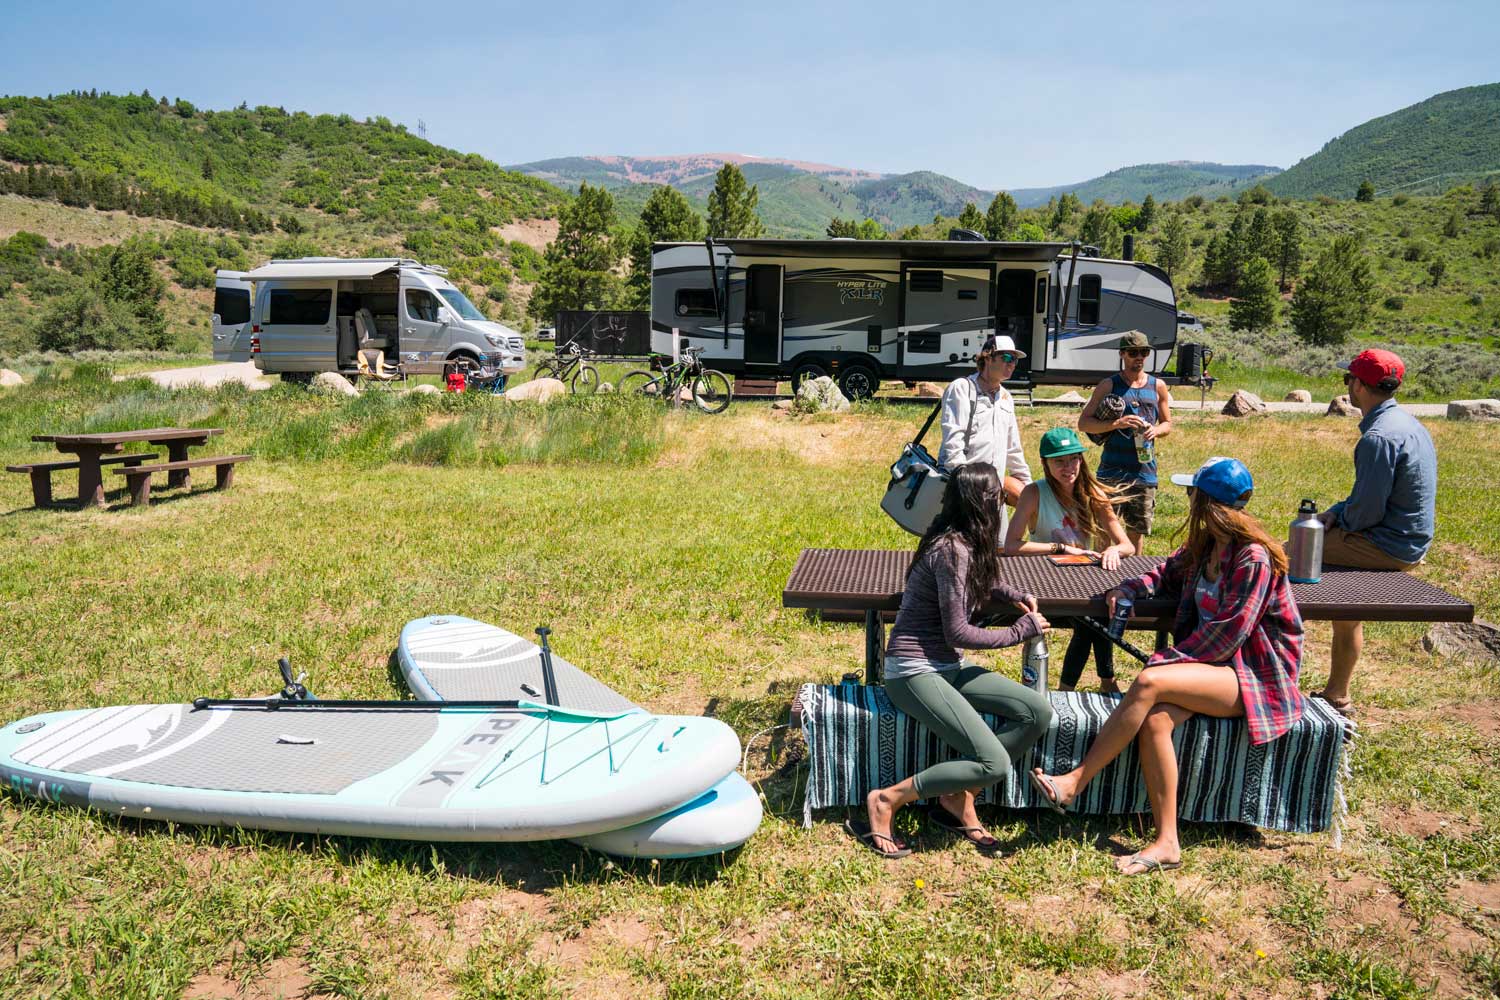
(928, 390)
(1243, 404)
(821, 395)
(1341, 407)
(782, 405)
(604, 389)
(9, 378)
(334, 384)
(1458, 409)
(1476, 641)
(538, 390)
(1299, 396)
(426, 389)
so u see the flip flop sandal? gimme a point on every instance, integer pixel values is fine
(1148, 865)
(860, 831)
(1047, 791)
(951, 823)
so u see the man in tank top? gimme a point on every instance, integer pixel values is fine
(1128, 461)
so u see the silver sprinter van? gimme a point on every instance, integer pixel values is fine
(315, 314)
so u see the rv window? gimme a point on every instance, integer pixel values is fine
(460, 304)
(232, 305)
(924, 281)
(1088, 299)
(299, 306)
(422, 305)
(696, 302)
(1041, 293)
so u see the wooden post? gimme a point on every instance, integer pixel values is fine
(140, 488)
(224, 475)
(177, 452)
(41, 487)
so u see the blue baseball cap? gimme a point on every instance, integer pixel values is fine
(1225, 480)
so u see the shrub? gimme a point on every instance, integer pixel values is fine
(1400, 199)
(84, 320)
(1415, 250)
(1395, 303)
(1476, 299)
(1490, 247)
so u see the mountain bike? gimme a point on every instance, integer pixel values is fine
(571, 365)
(709, 389)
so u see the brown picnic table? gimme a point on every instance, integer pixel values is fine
(872, 581)
(92, 451)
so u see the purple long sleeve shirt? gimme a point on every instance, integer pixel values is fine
(933, 623)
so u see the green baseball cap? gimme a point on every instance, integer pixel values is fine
(1060, 441)
(1134, 338)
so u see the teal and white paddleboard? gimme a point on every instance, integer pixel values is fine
(408, 771)
(452, 658)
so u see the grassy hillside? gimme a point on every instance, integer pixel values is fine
(1163, 181)
(1446, 140)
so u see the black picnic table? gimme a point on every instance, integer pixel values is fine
(91, 448)
(872, 581)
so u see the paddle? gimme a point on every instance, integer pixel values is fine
(549, 679)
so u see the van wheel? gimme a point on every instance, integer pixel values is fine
(806, 372)
(858, 382)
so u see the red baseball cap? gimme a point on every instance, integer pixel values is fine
(1373, 367)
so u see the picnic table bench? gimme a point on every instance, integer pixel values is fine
(872, 581)
(93, 451)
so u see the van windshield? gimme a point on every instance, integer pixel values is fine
(461, 305)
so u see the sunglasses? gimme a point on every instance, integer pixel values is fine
(1007, 358)
(1138, 352)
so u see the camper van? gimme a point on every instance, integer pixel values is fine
(316, 314)
(909, 310)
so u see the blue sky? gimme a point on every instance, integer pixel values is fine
(995, 94)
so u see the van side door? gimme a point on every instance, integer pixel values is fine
(231, 319)
(297, 333)
(423, 334)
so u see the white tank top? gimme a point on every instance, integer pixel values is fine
(1053, 524)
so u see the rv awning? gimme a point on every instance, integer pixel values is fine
(321, 270)
(929, 250)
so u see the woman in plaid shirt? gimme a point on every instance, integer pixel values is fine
(1235, 609)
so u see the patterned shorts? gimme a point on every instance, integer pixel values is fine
(1138, 506)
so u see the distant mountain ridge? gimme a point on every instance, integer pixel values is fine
(1170, 181)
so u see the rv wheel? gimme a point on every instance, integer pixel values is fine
(806, 372)
(858, 382)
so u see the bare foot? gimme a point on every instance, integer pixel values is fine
(881, 813)
(1160, 853)
(960, 805)
(1064, 786)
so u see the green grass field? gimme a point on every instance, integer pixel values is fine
(656, 544)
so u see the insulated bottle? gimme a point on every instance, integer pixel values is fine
(1034, 664)
(1304, 546)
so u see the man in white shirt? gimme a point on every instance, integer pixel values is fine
(979, 418)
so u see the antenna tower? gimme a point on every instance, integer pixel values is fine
(421, 128)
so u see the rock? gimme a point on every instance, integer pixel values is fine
(1476, 641)
(782, 404)
(427, 390)
(929, 390)
(1070, 397)
(538, 390)
(333, 383)
(9, 378)
(1299, 396)
(1242, 404)
(1458, 409)
(821, 395)
(1341, 407)
(604, 389)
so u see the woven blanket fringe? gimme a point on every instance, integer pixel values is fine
(805, 697)
(1345, 775)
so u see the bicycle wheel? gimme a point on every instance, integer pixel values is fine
(639, 383)
(545, 370)
(711, 391)
(585, 380)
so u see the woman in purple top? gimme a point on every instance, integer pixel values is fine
(951, 576)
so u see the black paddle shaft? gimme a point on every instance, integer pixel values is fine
(549, 679)
(1098, 629)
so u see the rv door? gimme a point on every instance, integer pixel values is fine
(762, 322)
(231, 320)
(297, 328)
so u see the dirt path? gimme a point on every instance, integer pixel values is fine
(206, 375)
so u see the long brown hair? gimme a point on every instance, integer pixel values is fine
(970, 517)
(1088, 499)
(1206, 516)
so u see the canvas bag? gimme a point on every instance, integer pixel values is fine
(914, 496)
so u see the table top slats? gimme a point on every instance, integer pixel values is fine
(150, 434)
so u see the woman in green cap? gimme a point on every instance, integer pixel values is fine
(1069, 512)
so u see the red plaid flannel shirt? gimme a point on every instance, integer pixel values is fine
(1258, 631)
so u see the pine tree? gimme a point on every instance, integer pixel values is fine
(1147, 217)
(1335, 296)
(1452, 227)
(841, 229)
(970, 218)
(1000, 219)
(666, 218)
(1489, 199)
(1366, 192)
(1254, 304)
(129, 277)
(1100, 229)
(732, 207)
(1288, 244)
(1260, 238)
(578, 267)
(1171, 254)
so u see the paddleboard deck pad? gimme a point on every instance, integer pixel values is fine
(452, 658)
(399, 770)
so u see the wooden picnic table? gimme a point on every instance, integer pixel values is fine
(872, 581)
(91, 448)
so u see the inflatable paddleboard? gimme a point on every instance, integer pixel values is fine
(452, 658)
(402, 770)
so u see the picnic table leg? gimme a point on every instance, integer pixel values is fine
(177, 451)
(41, 487)
(90, 479)
(874, 644)
(224, 476)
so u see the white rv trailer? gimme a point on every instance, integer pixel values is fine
(316, 314)
(908, 310)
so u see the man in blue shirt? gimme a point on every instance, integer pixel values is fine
(1388, 520)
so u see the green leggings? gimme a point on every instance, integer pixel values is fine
(949, 704)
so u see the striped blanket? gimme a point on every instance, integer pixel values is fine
(857, 740)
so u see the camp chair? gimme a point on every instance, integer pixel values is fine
(372, 366)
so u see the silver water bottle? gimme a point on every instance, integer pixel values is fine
(1304, 546)
(1034, 664)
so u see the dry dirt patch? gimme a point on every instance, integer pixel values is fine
(535, 233)
(816, 442)
(283, 979)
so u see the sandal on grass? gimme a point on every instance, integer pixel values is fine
(1343, 706)
(860, 831)
(1148, 865)
(1046, 790)
(984, 843)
